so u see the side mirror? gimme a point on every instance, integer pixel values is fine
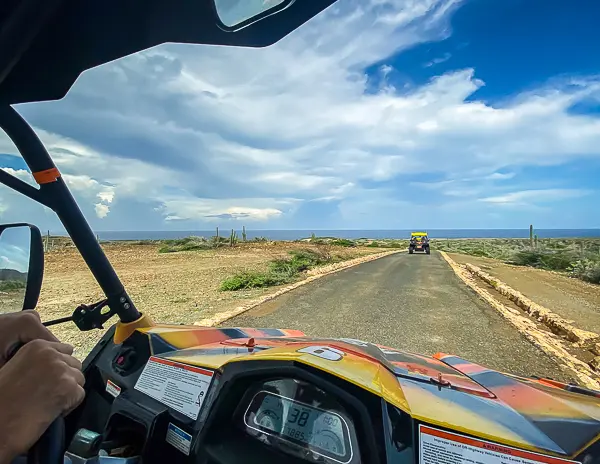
(21, 267)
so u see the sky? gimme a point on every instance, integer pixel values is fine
(376, 114)
(14, 249)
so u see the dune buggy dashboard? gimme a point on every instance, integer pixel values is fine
(251, 412)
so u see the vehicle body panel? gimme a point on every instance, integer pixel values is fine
(443, 390)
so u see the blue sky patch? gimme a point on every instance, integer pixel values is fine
(13, 161)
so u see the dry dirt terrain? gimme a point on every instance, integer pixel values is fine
(571, 298)
(11, 301)
(180, 287)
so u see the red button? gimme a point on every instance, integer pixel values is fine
(120, 360)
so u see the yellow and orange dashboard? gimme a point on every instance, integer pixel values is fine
(221, 395)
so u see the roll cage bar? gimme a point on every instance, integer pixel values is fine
(54, 193)
(46, 44)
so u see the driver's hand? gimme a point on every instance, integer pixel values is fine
(20, 328)
(40, 383)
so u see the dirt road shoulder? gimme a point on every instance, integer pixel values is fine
(551, 344)
(573, 299)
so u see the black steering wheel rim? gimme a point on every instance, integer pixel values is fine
(50, 448)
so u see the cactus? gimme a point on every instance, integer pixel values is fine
(531, 235)
(313, 237)
(232, 238)
(244, 237)
(535, 240)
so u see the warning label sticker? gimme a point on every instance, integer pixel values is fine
(179, 439)
(112, 388)
(176, 385)
(438, 446)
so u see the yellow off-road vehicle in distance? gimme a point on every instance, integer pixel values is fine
(419, 241)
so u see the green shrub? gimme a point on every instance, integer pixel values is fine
(287, 267)
(319, 241)
(303, 260)
(389, 244)
(502, 249)
(526, 258)
(343, 242)
(185, 244)
(586, 269)
(183, 241)
(280, 271)
(218, 240)
(11, 285)
(250, 279)
(555, 261)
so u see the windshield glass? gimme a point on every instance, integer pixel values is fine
(216, 176)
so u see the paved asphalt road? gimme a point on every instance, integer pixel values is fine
(410, 302)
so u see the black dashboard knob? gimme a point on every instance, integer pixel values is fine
(125, 360)
(85, 443)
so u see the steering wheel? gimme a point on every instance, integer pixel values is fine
(50, 448)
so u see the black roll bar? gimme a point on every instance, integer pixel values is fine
(56, 195)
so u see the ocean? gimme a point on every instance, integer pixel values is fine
(349, 234)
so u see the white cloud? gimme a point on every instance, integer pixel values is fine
(260, 210)
(14, 256)
(500, 176)
(433, 185)
(21, 174)
(385, 69)
(92, 190)
(90, 187)
(248, 214)
(293, 181)
(106, 196)
(442, 59)
(191, 133)
(102, 210)
(536, 196)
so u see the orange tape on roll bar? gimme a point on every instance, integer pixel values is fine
(47, 176)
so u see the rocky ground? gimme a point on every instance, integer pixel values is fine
(571, 298)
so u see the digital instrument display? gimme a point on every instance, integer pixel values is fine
(323, 432)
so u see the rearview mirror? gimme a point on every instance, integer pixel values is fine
(239, 13)
(21, 267)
